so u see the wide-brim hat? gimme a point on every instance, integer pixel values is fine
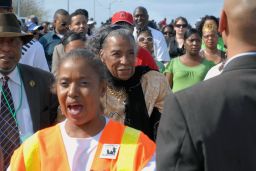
(10, 27)
(6, 3)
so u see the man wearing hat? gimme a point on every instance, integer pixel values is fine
(32, 52)
(5, 6)
(144, 58)
(26, 103)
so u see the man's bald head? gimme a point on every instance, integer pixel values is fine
(239, 24)
(143, 9)
(140, 16)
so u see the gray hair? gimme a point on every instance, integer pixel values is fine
(124, 33)
(97, 42)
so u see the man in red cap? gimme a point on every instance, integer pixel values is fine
(144, 57)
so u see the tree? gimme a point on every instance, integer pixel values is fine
(30, 7)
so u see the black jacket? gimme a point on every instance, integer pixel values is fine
(212, 126)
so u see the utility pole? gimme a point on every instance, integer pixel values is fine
(18, 7)
(94, 10)
(68, 6)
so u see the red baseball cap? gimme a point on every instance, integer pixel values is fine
(122, 16)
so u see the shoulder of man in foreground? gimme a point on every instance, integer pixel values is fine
(193, 115)
(175, 147)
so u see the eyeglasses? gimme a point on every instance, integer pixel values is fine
(35, 33)
(168, 33)
(181, 25)
(63, 24)
(142, 39)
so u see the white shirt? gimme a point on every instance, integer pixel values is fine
(81, 151)
(19, 97)
(214, 71)
(33, 55)
(160, 47)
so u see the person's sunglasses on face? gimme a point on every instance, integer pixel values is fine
(168, 33)
(63, 24)
(142, 39)
(181, 25)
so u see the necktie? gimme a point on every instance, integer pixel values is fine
(9, 132)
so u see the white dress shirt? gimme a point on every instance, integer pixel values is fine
(214, 71)
(160, 47)
(23, 115)
(33, 55)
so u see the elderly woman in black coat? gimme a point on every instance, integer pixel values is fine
(135, 95)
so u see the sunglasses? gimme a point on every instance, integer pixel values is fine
(181, 25)
(35, 33)
(63, 24)
(142, 39)
(168, 32)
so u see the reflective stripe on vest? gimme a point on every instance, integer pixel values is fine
(31, 153)
(128, 148)
(45, 151)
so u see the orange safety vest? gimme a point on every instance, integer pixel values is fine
(45, 150)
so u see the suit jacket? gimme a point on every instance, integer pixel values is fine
(42, 103)
(212, 126)
(58, 53)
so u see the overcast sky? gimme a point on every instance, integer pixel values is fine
(157, 9)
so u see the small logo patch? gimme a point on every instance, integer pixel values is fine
(109, 151)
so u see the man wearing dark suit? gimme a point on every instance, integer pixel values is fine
(33, 107)
(212, 126)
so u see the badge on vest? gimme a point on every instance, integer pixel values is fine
(109, 151)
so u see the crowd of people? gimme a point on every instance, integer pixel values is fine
(129, 95)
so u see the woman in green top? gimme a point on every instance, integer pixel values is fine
(190, 68)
